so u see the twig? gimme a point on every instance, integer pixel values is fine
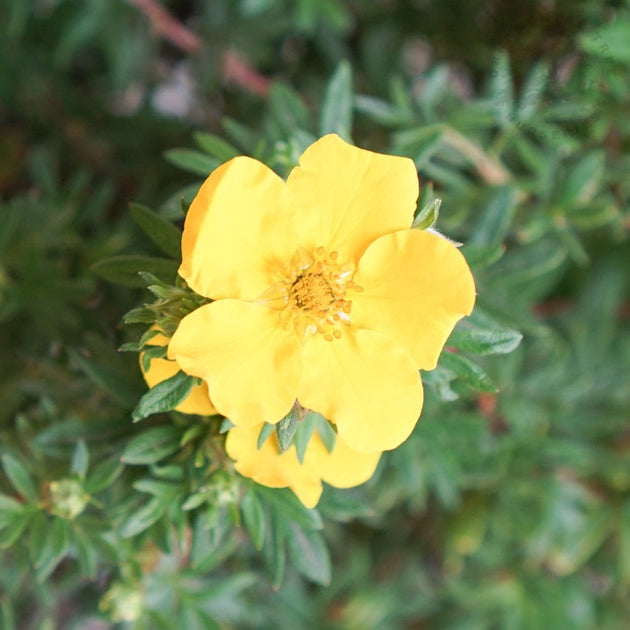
(490, 170)
(234, 68)
(167, 26)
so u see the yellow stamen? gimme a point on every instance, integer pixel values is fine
(313, 294)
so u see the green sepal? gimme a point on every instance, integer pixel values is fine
(265, 432)
(287, 427)
(428, 216)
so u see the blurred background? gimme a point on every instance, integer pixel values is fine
(506, 509)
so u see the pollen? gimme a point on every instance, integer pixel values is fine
(316, 294)
(312, 292)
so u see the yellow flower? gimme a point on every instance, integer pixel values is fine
(321, 292)
(341, 467)
(197, 401)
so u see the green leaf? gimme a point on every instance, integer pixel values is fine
(479, 257)
(56, 548)
(381, 111)
(103, 475)
(428, 216)
(532, 91)
(439, 380)
(7, 615)
(14, 526)
(8, 505)
(336, 114)
(192, 161)
(142, 518)
(308, 552)
(38, 537)
(107, 378)
(140, 315)
(215, 146)
(80, 460)
(496, 219)
(286, 428)
(419, 143)
(254, 517)
(483, 342)
(502, 88)
(151, 446)
(288, 109)
(165, 396)
(274, 551)
(289, 507)
(609, 41)
(468, 371)
(125, 270)
(19, 477)
(162, 232)
(583, 179)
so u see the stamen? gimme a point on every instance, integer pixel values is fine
(312, 293)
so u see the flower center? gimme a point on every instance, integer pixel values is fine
(314, 294)
(311, 292)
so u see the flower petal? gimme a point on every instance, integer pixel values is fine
(250, 362)
(236, 231)
(271, 468)
(342, 467)
(416, 286)
(197, 401)
(345, 197)
(366, 385)
(266, 465)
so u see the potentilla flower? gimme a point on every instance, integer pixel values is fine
(322, 292)
(341, 467)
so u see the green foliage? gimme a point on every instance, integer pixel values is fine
(509, 505)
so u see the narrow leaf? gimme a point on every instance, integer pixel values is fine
(254, 517)
(192, 161)
(309, 554)
(162, 232)
(80, 460)
(215, 146)
(336, 114)
(125, 270)
(471, 373)
(151, 446)
(164, 396)
(19, 477)
(483, 342)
